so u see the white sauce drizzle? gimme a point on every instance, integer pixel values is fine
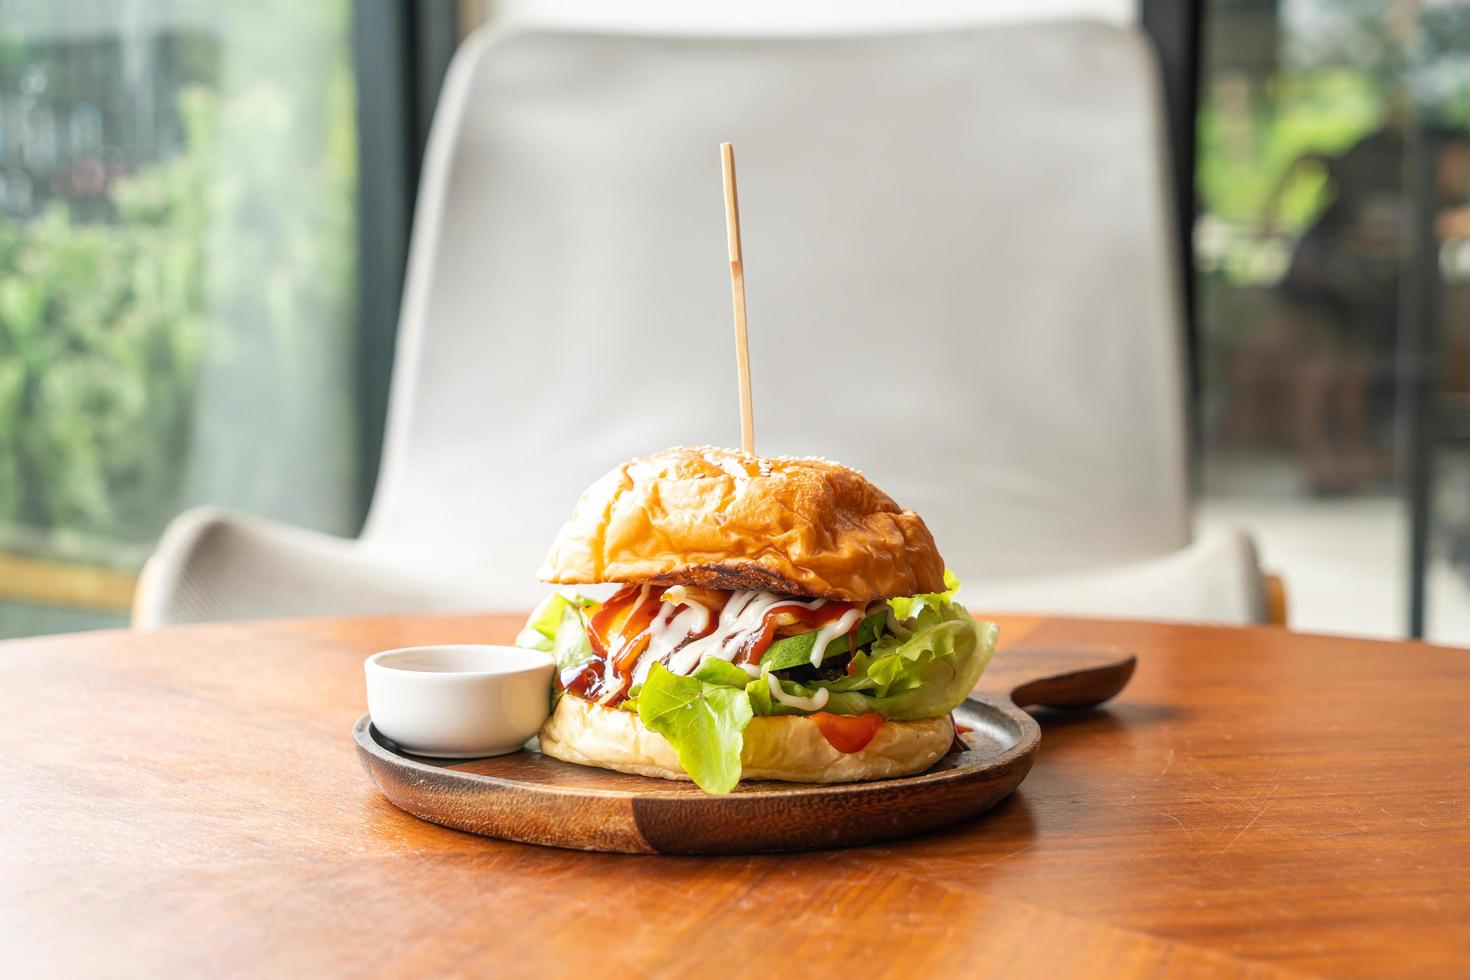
(894, 626)
(814, 703)
(610, 683)
(827, 634)
(743, 615)
(668, 629)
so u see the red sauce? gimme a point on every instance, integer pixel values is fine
(611, 623)
(754, 645)
(618, 632)
(848, 733)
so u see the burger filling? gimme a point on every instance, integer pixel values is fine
(698, 664)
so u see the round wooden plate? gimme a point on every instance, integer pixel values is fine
(539, 800)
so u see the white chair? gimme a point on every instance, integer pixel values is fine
(959, 278)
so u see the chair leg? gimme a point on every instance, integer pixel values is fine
(1275, 600)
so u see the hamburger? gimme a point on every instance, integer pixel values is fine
(772, 618)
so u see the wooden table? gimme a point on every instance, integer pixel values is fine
(188, 803)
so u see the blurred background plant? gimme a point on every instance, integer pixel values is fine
(1288, 88)
(1308, 114)
(177, 271)
(103, 326)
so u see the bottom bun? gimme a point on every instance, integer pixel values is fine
(785, 747)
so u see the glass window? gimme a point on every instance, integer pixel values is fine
(1313, 115)
(177, 279)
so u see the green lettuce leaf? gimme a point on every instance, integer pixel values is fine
(762, 702)
(704, 722)
(924, 676)
(540, 630)
(556, 627)
(910, 606)
(934, 670)
(722, 672)
(572, 647)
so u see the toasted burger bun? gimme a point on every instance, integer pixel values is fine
(786, 747)
(721, 519)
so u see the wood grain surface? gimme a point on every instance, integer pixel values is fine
(1255, 803)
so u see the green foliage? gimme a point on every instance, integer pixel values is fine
(231, 264)
(101, 334)
(1245, 151)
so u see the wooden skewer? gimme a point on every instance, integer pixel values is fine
(737, 295)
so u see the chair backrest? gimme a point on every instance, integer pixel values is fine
(957, 251)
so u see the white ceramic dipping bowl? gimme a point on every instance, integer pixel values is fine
(460, 701)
